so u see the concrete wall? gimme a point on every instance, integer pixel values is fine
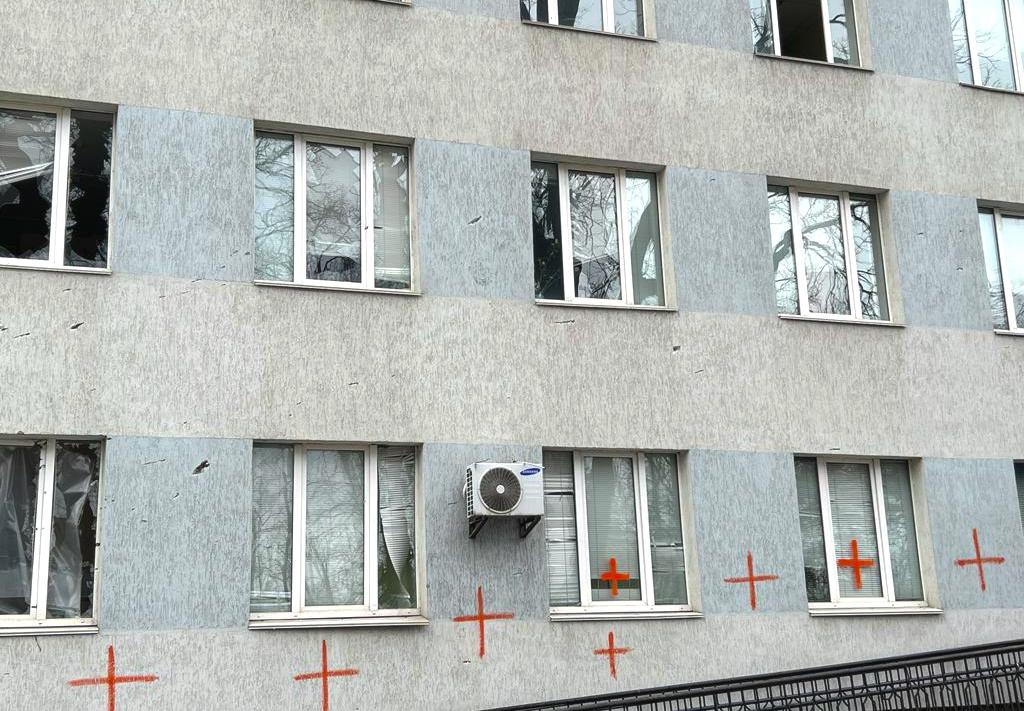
(181, 359)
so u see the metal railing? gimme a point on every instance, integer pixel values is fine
(983, 677)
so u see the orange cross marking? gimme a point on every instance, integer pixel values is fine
(324, 674)
(611, 651)
(111, 680)
(855, 562)
(980, 560)
(481, 618)
(614, 576)
(751, 579)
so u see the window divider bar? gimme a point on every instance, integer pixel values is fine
(798, 250)
(882, 528)
(1011, 316)
(608, 15)
(582, 540)
(44, 527)
(773, 8)
(569, 289)
(552, 12)
(1018, 76)
(827, 30)
(368, 270)
(370, 531)
(59, 193)
(826, 525)
(852, 281)
(299, 530)
(644, 532)
(299, 250)
(625, 258)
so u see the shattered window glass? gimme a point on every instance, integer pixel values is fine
(19, 486)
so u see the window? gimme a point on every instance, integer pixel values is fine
(1002, 238)
(988, 41)
(49, 502)
(624, 17)
(1018, 469)
(614, 533)
(818, 240)
(822, 30)
(332, 212)
(55, 187)
(859, 533)
(334, 533)
(611, 219)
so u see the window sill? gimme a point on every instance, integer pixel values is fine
(337, 287)
(993, 89)
(872, 611)
(671, 613)
(49, 629)
(816, 62)
(403, 3)
(46, 267)
(586, 31)
(285, 623)
(618, 306)
(835, 319)
(1004, 332)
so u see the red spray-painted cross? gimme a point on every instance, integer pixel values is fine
(324, 674)
(751, 579)
(855, 562)
(481, 618)
(614, 575)
(611, 651)
(111, 680)
(980, 560)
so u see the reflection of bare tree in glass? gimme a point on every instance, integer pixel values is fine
(761, 26)
(961, 47)
(840, 38)
(333, 213)
(824, 255)
(547, 233)
(272, 528)
(784, 263)
(869, 276)
(628, 17)
(275, 210)
(594, 235)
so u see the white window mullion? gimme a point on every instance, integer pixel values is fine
(608, 15)
(826, 525)
(798, 250)
(1018, 75)
(44, 527)
(59, 195)
(366, 241)
(299, 250)
(299, 531)
(827, 30)
(882, 531)
(625, 264)
(776, 38)
(1011, 316)
(370, 531)
(643, 532)
(567, 244)
(552, 12)
(852, 282)
(582, 540)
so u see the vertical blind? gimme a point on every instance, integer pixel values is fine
(812, 530)
(335, 496)
(664, 518)
(272, 494)
(901, 531)
(560, 530)
(391, 244)
(853, 519)
(396, 527)
(612, 526)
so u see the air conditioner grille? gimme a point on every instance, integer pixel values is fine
(500, 490)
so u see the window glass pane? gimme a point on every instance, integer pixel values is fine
(853, 529)
(335, 494)
(272, 499)
(19, 479)
(993, 268)
(812, 530)
(824, 255)
(786, 295)
(585, 14)
(761, 26)
(26, 183)
(391, 246)
(902, 532)
(641, 211)
(666, 528)
(844, 31)
(560, 530)
(1013, 259)
(867, 243)
(396, 527)
(629, 18)
(801, 29)
(595, 235)
(547, 233)
(275, 206)
(536, 10)
(73, 538)
(961, 48)
(333, 213)
(991, 43)
(88, 211)
(1017, 25)
(1018, 469)
(611, 528)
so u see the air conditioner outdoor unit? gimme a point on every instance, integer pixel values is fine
(495, 490)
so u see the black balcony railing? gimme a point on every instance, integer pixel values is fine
(984, 677)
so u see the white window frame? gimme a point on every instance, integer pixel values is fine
(1012, 21)
(344, 615)
(628, 298)
(645, 607)
(366, 194)
(36, 621)
(1011, 314)
(888, 599)
(607, 18)
(59, 196)
(826, 28)
(849, 253)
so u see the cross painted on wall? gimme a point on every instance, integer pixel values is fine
(481, 618)
(112, 679)
(323, 675)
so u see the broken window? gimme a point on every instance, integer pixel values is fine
(597, 236)
(614, 534)
(55, 187)
(49, 499)
(821, 30)
(1002, 236)
(988, 42)
(332, 212)
(624, 17)
(859, 533)
(334, 533)
(827, 255)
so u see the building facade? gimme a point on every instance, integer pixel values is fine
(192, 426)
